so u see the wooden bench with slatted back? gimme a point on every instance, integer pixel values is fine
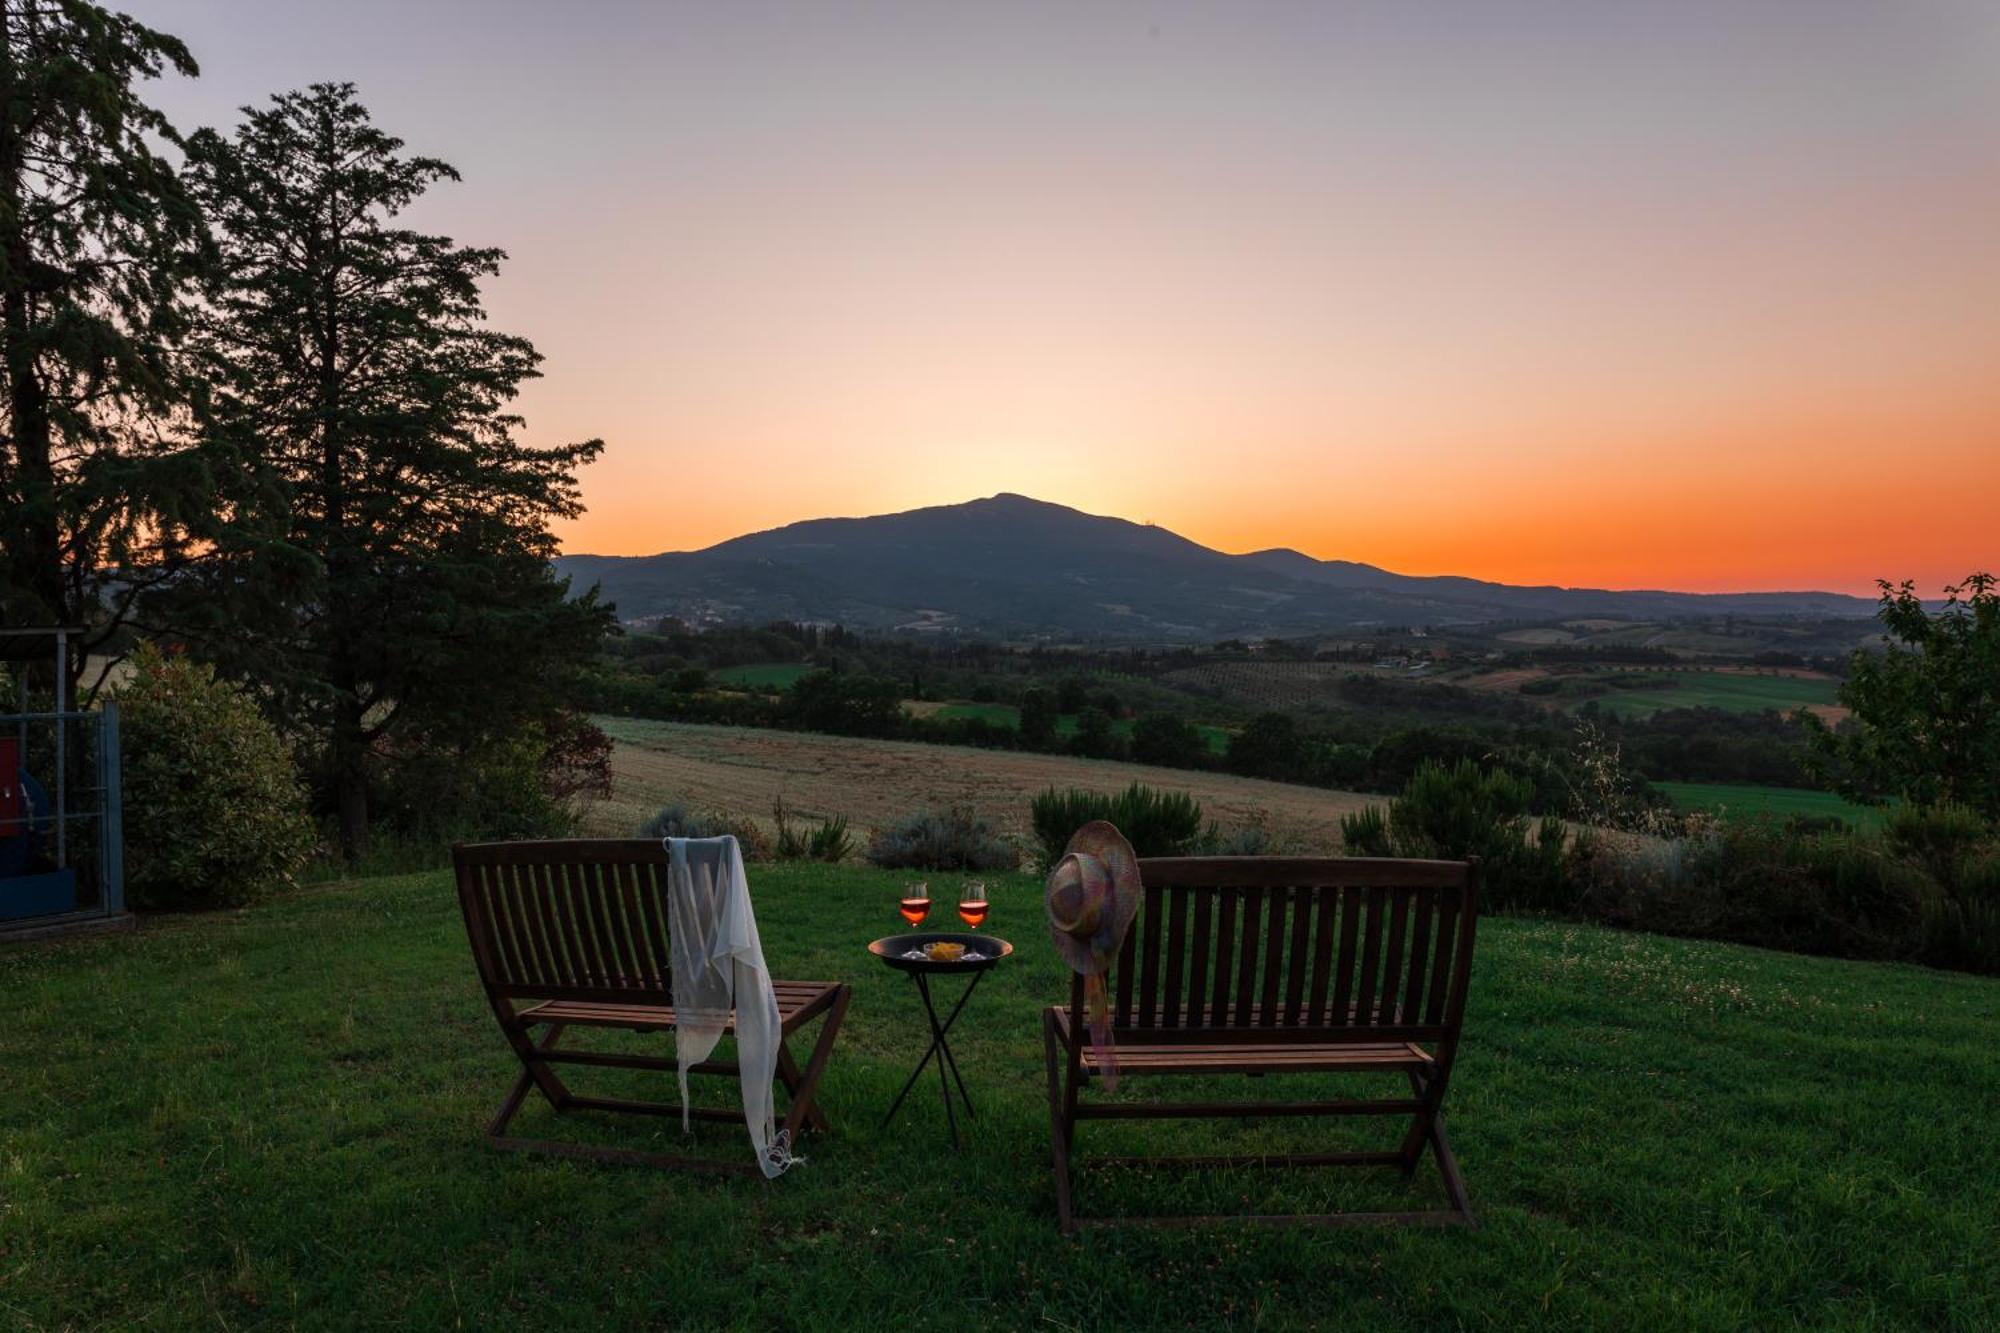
(1269, 965)
(573, 934)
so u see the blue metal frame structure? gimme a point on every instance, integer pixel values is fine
(41, 893)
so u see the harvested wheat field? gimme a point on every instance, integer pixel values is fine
(742, 771)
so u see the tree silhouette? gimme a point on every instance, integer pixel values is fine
(105, 490)
(392, 589)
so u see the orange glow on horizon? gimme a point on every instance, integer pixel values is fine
(1714, 509)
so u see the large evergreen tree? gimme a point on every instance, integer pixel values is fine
(98, 239)
(396, 596)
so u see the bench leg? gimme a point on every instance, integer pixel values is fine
(534, 1072)
(789, 1075)
(1454, 1183)
(803, 1105)
(1427, 1126)
(1061, 1129)
(497, 1127)
(1429, 1092)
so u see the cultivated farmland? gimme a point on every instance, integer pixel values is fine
(742, 771)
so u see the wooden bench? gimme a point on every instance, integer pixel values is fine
(573, 934)
(1281, 965)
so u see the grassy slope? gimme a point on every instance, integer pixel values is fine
(272, 1117)
(1725, 690)
(1738, 800)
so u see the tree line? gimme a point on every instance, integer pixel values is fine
(247, 411)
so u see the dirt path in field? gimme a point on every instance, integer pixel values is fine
(742, 771)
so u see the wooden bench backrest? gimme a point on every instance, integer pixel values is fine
(579, 919)
(1271, 948)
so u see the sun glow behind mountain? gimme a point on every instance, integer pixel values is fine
(1700, 296)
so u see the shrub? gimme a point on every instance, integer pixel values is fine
(952, 839)
(1962, 929)
(1038, 720)
(679, 821)
(845, 705)
(1942, 840)
(576, 761)
(1467, 810)
(1269, 746)
(1168, 740)
(1756, 883)
(1366, 832)
(827, 840)
(830, 841)
(1959, 857)
(432, 795)
(1458, 811)
(1095, 737)
(1156, 823)
(215, 815)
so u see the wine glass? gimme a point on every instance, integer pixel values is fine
(916, 903)
(972, 903)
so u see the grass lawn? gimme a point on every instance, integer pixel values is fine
(272, 1117)
(1007, 715)
(762, 675)
(1739, 801)
(1730, 691)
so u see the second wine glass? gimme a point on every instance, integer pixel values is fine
(972, 903)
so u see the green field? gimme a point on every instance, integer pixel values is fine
(1007, 715)
(762, 675)
(994, 715)
(1750, 802)
(271, 1118)
(1725, 690)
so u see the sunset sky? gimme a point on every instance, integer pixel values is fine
(1704, 296)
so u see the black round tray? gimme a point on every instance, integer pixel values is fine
(891, 948)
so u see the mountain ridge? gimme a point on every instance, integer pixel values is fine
(1008, 564)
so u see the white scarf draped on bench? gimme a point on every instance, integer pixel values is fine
(719, 969)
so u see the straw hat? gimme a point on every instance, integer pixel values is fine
(1092, 896)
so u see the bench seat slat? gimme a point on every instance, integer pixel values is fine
(794, 998)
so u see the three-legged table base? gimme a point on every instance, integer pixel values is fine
(941, 1048)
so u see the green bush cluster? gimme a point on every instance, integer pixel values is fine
(956, 838)
(215, 814)
(1457, 811)
(1925, 889)
(1157, 823)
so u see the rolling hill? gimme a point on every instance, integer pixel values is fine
(1011, 565)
